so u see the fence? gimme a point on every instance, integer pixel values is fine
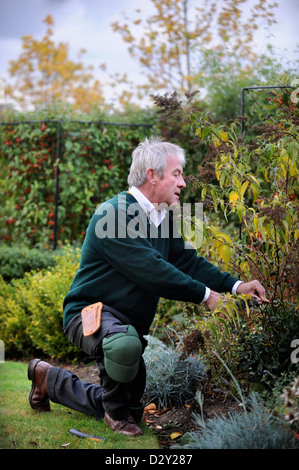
(257, 88)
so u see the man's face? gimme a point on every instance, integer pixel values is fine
(168, 188)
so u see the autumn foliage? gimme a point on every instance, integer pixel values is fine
(170, 44)
(44, 73)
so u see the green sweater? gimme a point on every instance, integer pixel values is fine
(131, 273)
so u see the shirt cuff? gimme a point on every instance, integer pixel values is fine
(207, 294)
(235, 287)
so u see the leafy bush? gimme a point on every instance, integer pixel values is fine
(31, 310)
(250, 186)
(256, 428)
(255, 343)
(94, 158)
(14, 321)
(265, 342)
(16, 260)
(171, 379)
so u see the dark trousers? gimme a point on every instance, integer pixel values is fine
(119, 400)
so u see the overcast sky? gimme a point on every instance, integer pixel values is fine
(87, 24)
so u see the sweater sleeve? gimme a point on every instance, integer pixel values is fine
(188, 261)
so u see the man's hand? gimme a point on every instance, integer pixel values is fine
(253, 288)
(213, 300)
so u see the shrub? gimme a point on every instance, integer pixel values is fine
(93, 163)
(14, 321)
(257, 344)
(170, 378)
(249, 185)
(15, 261)
(31, 310)
(253, 429)
(265, 342)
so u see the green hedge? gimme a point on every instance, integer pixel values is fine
(31, 310)
(93, 165)
(15, 261)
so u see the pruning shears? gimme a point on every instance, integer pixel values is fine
(252, 302)
(86, 436)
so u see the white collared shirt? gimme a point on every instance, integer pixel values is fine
(156, 216)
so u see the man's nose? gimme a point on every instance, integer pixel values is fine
(182, 183)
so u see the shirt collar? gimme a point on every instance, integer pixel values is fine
(156, 216)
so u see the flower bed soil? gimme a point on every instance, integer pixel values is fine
(169, 424)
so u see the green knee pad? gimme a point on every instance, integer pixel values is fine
(122, 353)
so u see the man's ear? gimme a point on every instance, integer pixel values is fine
(151, 176)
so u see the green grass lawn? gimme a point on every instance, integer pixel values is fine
(23, 428)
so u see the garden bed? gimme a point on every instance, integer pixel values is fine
(172, 423)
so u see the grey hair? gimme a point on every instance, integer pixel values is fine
(152, 153)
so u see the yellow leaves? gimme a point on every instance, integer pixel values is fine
(223, 245)
(243, 189)
(198, 132)
(181, 26)
(244, 267)
(54, 75)
(266, 176)
(225, 253)
(153, 420)
(233, 198)
(175, 435)
(288, 165)
(223, 136)
(219, 136)
(236, 199)
(49, 20)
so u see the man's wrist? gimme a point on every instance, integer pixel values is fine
(234, 290)
(235, 286)
(207, 294)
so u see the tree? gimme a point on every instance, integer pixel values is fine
(44, 72)
(171, 43)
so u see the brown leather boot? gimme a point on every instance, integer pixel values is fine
(128, 427)
(38, 373)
